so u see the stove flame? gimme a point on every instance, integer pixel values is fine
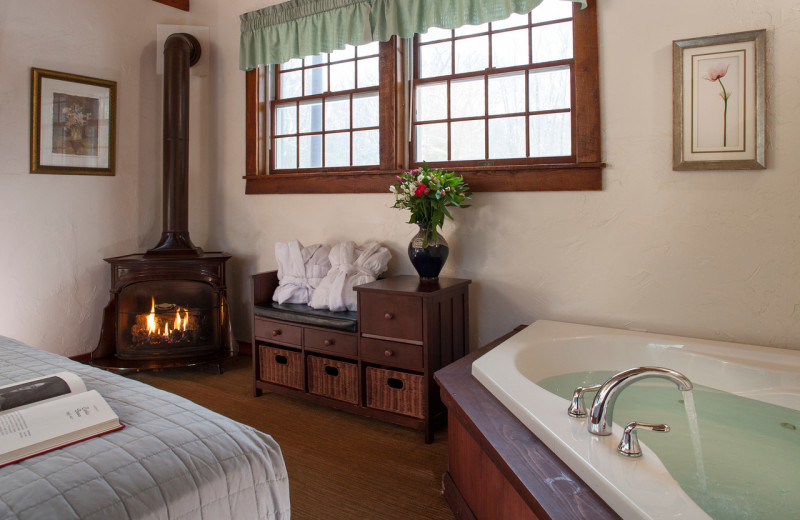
(162, 326)
(151, 318)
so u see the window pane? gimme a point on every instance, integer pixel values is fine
(368, 49)
(434, 33)
(366, 145)
(466, 30)
(552, 42)
(337, 113)
(507, 93)
(286, 119)
(467, 98)
(515, 20)
(506, 137)
(435, 60)
(367, 72)
(291, 85)
(286, 152)
(551, 10)
(510, 48)
(348, 53)
(337, 149)
(291, 64)
(343, 76)
(431, 102)
(549, 89)
(316, 60)
(365, 110)
(550, 135)
(467, 141)
(472, 54)
(316, 80)
(310, 116)
(432, 142)
(310, 151)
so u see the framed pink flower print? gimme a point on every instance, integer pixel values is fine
(719, 102)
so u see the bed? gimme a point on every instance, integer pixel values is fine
(174, 459)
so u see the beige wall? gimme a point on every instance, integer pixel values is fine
(705, 254)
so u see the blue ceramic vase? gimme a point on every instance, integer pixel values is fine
(428, 260)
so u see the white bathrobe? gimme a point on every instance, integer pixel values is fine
(300, 270)
(350, 266)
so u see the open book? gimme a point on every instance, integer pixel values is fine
(48, 413)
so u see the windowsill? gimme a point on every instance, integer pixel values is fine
(552, 177)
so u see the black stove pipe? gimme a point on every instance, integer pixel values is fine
(181, 51)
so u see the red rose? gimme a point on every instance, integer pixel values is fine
(420, 190)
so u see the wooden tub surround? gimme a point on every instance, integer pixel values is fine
(497, 468)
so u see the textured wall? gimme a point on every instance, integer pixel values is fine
(56, 229)
(705, 254)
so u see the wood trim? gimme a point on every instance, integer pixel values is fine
(256, 122)
(587, 89)
(588, 177)
(527, 467)
(86, 359)
(177, 4)
(583, 174)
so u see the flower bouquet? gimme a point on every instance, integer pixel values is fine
(427, 193)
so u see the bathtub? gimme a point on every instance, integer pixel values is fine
(750, 382)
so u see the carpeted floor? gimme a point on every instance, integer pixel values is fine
(341, 466)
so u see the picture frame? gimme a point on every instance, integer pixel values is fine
(719, 102)
(73, 124)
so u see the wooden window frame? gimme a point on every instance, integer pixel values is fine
(585, 173)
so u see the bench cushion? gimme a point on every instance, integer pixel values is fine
(301, 313)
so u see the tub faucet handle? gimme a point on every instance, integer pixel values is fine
(629, 445)
(577, 407)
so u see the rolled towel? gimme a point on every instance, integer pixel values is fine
(300, 270)
(350, 266)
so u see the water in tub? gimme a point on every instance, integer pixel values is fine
(743, 460)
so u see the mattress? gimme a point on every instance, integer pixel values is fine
(174, 459)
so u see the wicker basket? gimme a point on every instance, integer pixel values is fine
(332, 378)
(281, 366)
(394, 391)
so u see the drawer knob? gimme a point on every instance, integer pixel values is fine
(328, 342)
(388, 316)
(276, 333)
(388, 353)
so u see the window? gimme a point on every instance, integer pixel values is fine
(496, 93)
(512, 105)
(325, 113)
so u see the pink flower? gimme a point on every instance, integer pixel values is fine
(716, 72)
(420, 191)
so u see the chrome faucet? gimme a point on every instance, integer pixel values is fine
(600, 415)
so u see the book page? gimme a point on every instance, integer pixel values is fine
(55, 423)
(35, 391)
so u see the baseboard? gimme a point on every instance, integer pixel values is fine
(82, 358)
(245, 348)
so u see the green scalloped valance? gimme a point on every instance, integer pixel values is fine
(300, 28)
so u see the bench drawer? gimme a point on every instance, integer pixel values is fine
(394, 391)
(391, 316)
(278, 332)
(281, 366)
(401, 355)
(332, 378)
(331, 342)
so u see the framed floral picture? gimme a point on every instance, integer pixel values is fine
(72, 124)
(719, 102)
